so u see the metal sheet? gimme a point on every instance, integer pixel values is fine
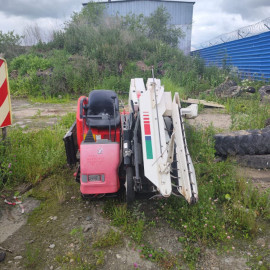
(250, 55)
(181, 14)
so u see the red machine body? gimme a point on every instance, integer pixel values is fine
(99, 168)
(99, 158)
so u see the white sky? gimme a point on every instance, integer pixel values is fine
(210, 17)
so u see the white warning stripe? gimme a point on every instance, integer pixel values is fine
(4, 110)
(2, 74)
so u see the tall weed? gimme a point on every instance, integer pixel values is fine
(247, 113)
(27, 157)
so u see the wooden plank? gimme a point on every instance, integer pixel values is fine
(203, 102)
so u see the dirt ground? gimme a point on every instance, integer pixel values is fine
(50, 236)
(260, 178)
(38, 115)
(212, 116)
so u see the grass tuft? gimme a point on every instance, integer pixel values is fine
(110, 239)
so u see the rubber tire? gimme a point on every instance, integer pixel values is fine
(254, 161)
(2, 256)
(84, 198)
(243, 142)
(130, 192)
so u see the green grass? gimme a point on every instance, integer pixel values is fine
(259, 259)
(247, 113)
(160, 256)
(31, 156)
(72, 261)
(109, 239)
(172, 87)
(52, 100)
(131, 224)
(32, 257)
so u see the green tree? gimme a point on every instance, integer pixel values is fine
(10, 44)
(158, 27)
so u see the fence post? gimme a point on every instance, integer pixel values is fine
(4, 133)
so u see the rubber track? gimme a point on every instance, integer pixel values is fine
(243, 142)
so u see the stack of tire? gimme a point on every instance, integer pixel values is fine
(252, 147)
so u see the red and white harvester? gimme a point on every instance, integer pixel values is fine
(140, 151)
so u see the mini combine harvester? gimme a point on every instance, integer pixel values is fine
(140, 151)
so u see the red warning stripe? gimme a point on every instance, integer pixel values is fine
(3, 92)
(5, 108)
(147, 129)
(7, 121)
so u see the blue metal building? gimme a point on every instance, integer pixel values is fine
(181, 14)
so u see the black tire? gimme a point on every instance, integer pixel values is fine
(130, 192)
(2, 256)
(243, 142)
(254, 161)
(84, 197)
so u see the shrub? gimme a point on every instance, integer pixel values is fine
(157, 27)
(27, 63)
(93, 51)
(10, 44)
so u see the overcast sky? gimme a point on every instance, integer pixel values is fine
(210, 17)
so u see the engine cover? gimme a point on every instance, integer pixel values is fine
(99, 164)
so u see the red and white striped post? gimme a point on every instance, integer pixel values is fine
(5, 104)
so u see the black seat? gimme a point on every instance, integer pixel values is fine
(100, 109)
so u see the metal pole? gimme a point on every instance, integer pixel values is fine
(4, 133)
(157, 111)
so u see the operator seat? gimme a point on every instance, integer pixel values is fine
(100, 109)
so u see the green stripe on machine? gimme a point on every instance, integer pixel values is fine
(149, 151)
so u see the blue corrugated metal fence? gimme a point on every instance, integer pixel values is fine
(250, 55)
